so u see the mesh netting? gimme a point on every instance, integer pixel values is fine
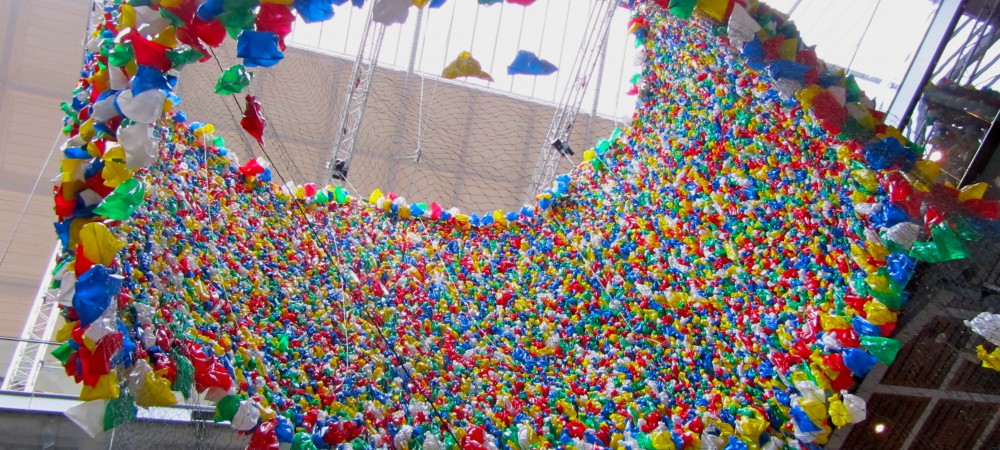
(302, 105)
(190, 425)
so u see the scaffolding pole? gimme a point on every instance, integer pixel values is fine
(589, 55)
(32, 348)
(355, 99)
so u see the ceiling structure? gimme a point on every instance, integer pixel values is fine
(40, 57)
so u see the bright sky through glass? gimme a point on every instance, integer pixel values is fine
(880, 53)
(553, 29)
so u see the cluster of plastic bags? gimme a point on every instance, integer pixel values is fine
(717, 275)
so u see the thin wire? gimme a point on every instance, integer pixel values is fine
(941, 66)
(954, 72)
(794, 7)
(27, 201)
(447, 39)
(52, 149)
(618, 91)
(399, 41)
(496, 39)
(259, 89)
(420, 122)
(980, 71)
(993, 81)
(475, 24)
(420, 111)
(347, 29)
(991, 34)
(208, 179)
(319, 39)
(562, 49)
(399, 357)
(520, 32)
(857, 46)
(243, 137)
(598, 86)
(541, 40)
(423, 41)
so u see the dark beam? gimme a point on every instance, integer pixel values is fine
(926, 58)
(987, 150)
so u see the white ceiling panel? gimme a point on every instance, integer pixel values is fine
(40, 54)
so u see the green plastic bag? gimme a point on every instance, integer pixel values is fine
(233, 80)
(119, 411)
(121, 55)
(303, 441)
(884, 349)
(238, 16)
(185, 374)
(945, 245)
(180, 58)
(122, 202)
(321, 197)
(682, 8)
(340, 195)
(226, 409)
(62, 353)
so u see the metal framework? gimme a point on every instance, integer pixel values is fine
(927, 56)
(948, 122)
(31, 350)
(984, 155)
(355, 99)
(556, 142)
(969, 57)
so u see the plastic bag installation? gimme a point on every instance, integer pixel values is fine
(718, 274)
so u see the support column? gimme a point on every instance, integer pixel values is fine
(924, 61)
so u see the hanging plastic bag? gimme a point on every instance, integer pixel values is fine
(527, 63)
(389, 12)
(465, 66)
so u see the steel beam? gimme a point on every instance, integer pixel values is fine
(926, 58)
(986, 152)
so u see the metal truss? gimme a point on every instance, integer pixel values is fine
(588, 57)
(355, 99)
(33, 346)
